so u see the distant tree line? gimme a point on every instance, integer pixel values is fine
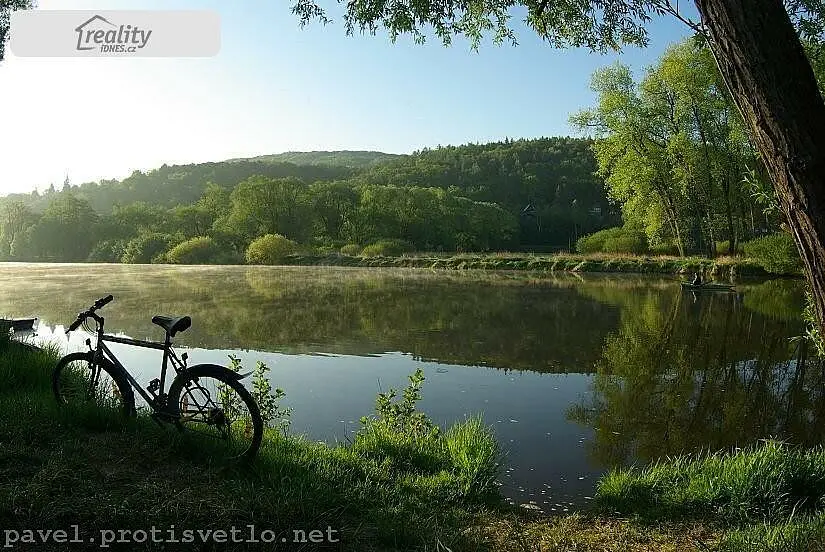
(505, 195)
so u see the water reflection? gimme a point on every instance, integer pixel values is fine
(461, 318)
(575, 374)
(685, 373)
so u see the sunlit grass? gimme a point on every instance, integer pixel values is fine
(801, 534)
(771, 495)
(770, 481)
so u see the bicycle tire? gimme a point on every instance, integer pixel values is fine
(227, 377)
(127, 396)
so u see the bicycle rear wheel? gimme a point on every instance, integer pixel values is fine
(209, 400)
(79, 380)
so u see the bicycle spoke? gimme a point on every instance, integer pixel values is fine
(211, 407)
(81, 382)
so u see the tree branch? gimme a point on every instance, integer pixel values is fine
(667, 7)
(540, 10)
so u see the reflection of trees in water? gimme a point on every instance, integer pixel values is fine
(683, 373)
(509, 321)
(549, 323)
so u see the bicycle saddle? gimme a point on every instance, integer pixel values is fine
(172, 325)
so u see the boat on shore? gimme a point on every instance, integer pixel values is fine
(18, 324)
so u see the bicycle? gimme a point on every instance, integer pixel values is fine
(97, 376)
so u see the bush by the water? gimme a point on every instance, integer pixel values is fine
(776, 252)
(351, 249)
(147, 248)
(199, 250)
(406, 440)
(614, 240)
(108, 251)
(387, 248)
(270, 249)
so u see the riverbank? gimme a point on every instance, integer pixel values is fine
(382, 491)
(723, 268)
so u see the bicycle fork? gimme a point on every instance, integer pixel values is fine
(94, 367)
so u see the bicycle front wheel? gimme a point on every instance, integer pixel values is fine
(78, 380)
(208, 399)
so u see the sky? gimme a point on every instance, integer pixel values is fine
(275, 87)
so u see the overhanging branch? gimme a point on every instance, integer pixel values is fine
(667, 7)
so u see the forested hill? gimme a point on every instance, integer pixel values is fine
(350, 159)
(549, 183)
(502, 195)
(172, 185)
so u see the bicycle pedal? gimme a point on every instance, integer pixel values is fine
(153, 386)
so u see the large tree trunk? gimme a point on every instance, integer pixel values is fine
(772, 83)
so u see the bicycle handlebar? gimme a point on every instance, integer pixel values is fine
(100, 303)
(103, 301)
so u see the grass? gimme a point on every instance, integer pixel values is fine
(92, 468)
(720, 268)
(587, 533)
(401, 484)
(771, 496)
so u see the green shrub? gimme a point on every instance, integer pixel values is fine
(387, 248)
(108, 251)
(812, 332)
(777, 253)
(594, 243)
(613, 240)
(322, 246)
(351, 249)
(145, 248)
(198, 250)
(629, 241)
(270, 249)
(403, 438)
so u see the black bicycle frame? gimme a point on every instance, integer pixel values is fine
(168, 355)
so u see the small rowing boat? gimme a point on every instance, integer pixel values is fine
(18, 324)
(706, 287)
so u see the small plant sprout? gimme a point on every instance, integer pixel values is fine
(273, 414)
(267, 398)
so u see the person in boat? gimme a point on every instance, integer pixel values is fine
(697, 279)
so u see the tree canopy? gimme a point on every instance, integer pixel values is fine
(6, 9)
(674, 152)
(600, 25)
